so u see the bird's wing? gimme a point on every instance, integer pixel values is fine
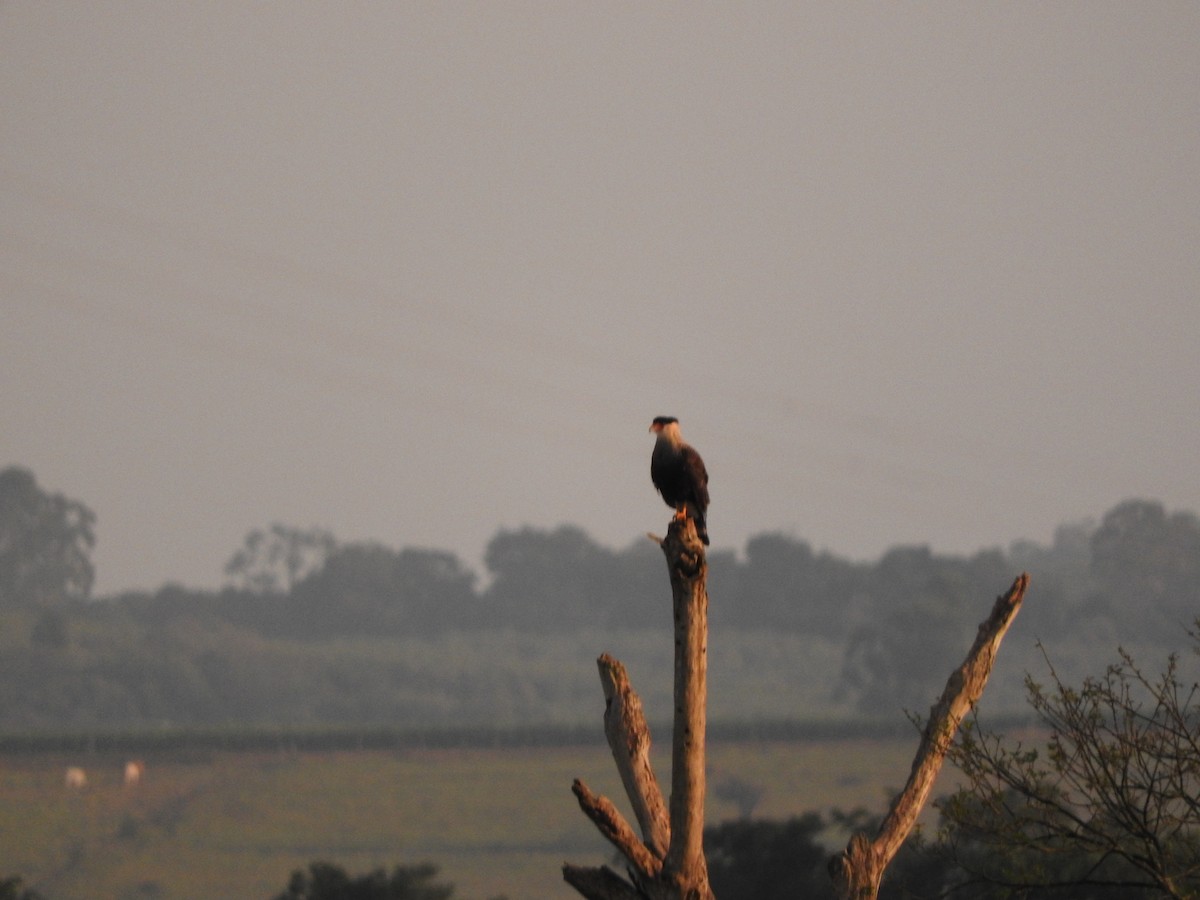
(697, 474)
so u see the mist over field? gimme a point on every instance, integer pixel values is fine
(367, 703)
(329, 338)
(313, 631)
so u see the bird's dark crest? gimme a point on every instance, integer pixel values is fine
(664, 420)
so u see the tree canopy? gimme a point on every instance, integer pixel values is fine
(46, 542)
(308, 627)
(1104, 796)
(326, 881)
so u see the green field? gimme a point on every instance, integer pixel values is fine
(205, 824)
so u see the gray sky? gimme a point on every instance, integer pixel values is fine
(416, 272)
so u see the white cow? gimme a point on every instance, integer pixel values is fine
(134, 769)
(75, 778)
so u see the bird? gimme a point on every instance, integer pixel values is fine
(679, 474)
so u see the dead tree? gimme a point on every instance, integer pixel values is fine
(667, 861)
(858, 870)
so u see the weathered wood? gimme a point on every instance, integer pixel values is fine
(608, 819)
(684, 864)
(668, 863)
(629, 739)
(858, 870)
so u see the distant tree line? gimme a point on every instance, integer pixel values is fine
(297, 599)
(327, 881)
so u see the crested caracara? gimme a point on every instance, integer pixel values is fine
(679, 474)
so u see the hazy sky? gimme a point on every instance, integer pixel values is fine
(907, 273)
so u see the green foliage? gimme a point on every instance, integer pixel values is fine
(926, 610)
(783, 584)
(313, 631)
(274, 560)
(1109, 799)
(50, 630)
(781, 860)
(367, 588)
(46, 542)
(560, 580)
(764, 860)
(13, 888)
(325, 881)
(1141, 552)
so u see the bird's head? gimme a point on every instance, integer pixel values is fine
(664, 423)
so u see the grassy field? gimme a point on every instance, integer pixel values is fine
(207, 824)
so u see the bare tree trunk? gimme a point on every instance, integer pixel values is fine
(667, 862)
(858, 870)
(685, 866)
